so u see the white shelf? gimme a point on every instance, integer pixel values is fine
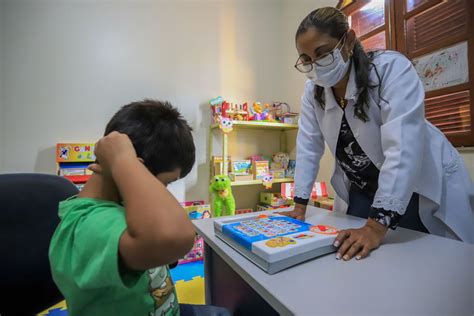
(253, 182)
(260, 125)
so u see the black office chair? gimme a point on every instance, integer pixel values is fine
(28, 218)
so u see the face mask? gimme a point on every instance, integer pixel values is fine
(311, 76)
(330, 75)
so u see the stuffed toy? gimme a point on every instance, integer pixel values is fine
(222, 193)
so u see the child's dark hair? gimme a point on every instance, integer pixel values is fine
(332, 21)
(160, 135)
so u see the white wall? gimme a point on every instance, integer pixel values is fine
(68, 66)
(2, 132)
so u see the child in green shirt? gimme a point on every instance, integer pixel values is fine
(110, 253)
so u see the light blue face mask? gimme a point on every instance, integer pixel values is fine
(328, 76)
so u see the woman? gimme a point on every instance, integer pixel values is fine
(392, 166)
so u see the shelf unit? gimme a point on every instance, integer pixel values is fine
(255, 125)
(72, 160)
(249, 125)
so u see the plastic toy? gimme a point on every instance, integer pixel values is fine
(237, 112)
(267, 181)
(259, 113)
(216, 108)
(275, 242)
(196, 210)
(196, 253)
(280, 161)
(274, 199)
(290, 172)
(282, 113)
(222, 193)
(226, 125)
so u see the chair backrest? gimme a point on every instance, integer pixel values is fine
(28, 218)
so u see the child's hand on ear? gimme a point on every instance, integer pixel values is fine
(95, 168)
(111, 149)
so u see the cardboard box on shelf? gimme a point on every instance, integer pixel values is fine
(274, 199)
(277, 173)
(319, 190)
(244, 211)
(240, 177)
(324, 202)
(260, 169)
(241, 167)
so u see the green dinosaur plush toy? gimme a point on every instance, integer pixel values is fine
(222, 193)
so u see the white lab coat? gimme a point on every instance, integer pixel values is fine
(411, 154)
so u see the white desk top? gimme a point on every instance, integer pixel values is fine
(410, 274)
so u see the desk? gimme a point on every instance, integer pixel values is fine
(411, 274)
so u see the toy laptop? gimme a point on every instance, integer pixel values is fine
(275, 242)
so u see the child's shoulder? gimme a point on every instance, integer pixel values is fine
(84, 207)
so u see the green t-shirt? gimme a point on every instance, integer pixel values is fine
(84, 256)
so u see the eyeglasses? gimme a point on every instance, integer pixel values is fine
(306, 66)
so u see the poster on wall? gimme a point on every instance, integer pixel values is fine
(443, 68)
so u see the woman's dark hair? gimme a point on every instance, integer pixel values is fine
(332, 21)
(160, 135)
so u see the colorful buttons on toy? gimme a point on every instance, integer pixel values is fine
(324, 229)
(280, 242)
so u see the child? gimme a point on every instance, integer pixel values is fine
(109, 254)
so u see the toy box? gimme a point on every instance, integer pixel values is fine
(75, 152)
(192, 203)
(290, 172)
(240, 177)
(196, 253)
(319, 190)
(72, 160)
(244, 211)
(241, 167)
(277, 173)
(274, 242)
(290, 118)
(324, 202)
(260, 169)
(265, 207)
(196, 210)
(274, 199)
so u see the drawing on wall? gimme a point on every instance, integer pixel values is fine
(443, 68)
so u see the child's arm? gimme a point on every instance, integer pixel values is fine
(158, 230)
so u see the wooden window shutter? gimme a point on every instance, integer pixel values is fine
(438, 36)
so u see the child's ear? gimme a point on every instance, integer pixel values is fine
(141, 160)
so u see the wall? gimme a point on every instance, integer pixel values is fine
(68, 66)
(2, 116)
